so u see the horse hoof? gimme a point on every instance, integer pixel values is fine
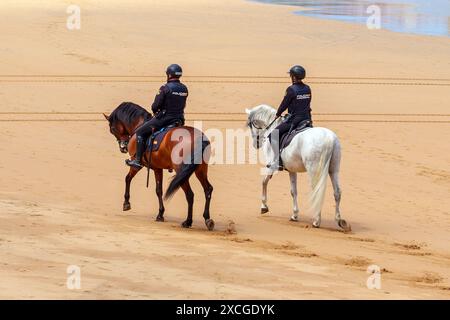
(295, 219)
(316, 225)
(186, 224)
(160, 218)
(344, 225)
(264, 210)
(210, 224)
(126, 206)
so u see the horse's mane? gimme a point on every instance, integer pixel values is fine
(127, 112)
(263, 113)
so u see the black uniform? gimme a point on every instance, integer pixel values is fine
(298, 103)
(168, 107)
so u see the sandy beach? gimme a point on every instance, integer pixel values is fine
(62, 179)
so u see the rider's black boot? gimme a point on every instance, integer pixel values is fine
(277, 163)
(276, 166)
(140, 148)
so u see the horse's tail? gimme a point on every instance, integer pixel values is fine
(319, 178)
(187, 169)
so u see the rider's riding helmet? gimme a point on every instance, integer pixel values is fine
(174, 71)
(298, 72)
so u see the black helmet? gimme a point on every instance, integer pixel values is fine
(174, 70)
(298, 72)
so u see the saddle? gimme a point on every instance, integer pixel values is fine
(286, 139)
(157, 137)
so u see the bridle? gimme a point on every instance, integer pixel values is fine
(123, 144)
(258, 137)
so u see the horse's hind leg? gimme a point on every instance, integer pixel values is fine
(159, 193)
(337, 194)
(128, 178)
(202, 175)
(337, 197)
(335, 163)
(190, 200)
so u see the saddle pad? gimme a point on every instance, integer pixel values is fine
(287, 138)
(155, 140)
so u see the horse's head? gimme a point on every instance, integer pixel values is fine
(120, 132)
(124, 120)
(258, 120)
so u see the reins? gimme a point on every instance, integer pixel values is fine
(266, 128)
(258, 138)
(135, 129)
(276, 118)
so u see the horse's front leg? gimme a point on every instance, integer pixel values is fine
(159, 193)
(128, 178)
(293, 179)
(265, 181)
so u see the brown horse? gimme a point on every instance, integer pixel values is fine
(183, 149)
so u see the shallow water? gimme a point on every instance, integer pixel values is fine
(424, 17)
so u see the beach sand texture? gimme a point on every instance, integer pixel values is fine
(62, 182)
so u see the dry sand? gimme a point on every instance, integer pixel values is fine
(61, 183)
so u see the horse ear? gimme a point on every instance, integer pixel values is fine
(106, 116)
(247, 111)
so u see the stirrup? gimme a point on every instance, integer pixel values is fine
(134, 163)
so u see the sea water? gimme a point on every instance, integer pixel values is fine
(426, 17)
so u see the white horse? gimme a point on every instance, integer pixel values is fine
(316, 151)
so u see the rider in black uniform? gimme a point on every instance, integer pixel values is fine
(168, 108)
(297, 101)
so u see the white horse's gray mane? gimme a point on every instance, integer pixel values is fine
(263, 113)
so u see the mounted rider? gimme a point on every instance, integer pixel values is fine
(168, 109)
(297, 101)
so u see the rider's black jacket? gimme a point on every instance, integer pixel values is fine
(297, 100)
(171, 99)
